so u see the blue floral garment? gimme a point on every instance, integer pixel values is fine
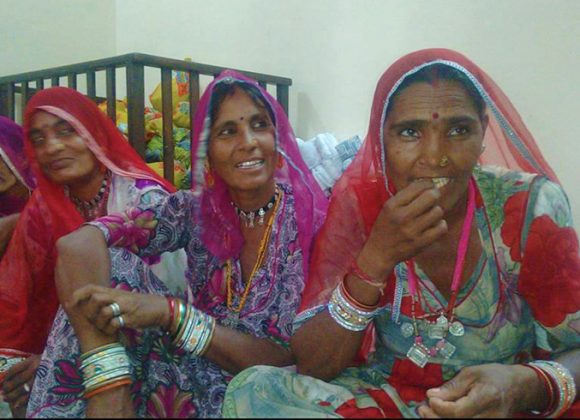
(167, 384)
(521, 302)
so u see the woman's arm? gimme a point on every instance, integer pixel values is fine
(408, 222)
(150, 229)
(230, 349)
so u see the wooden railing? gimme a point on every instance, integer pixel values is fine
(25, 84)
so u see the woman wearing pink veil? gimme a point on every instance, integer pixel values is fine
(247, 228)
(16, 180)
(454, 289)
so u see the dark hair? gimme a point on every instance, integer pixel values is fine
(225, 89)
(437, 72)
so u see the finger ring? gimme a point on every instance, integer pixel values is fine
(26, 388)
(121, 321)
(115, 308)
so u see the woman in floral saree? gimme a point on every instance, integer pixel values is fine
(247, 227)
(85, 169)
(450, 280)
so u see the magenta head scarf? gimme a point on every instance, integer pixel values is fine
(12, 151)
(12, 154)
(221, 227)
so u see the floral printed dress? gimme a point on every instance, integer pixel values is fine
(522, 302)
(165, 383)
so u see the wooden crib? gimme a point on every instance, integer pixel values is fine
(15, 90)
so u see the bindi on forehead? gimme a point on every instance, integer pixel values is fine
(435, 115)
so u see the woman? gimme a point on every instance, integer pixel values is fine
(16, 181)
(459, 276)
(247, 229)
(85, 169)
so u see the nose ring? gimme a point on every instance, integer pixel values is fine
(444, 161)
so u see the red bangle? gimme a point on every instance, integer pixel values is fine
(107, 387)
(358, 272)
(550, 390)
(353, 301)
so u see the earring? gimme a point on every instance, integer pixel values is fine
(444, 161)
(280, 163)
(209, 180)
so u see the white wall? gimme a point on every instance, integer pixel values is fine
(335, 51)
(39, 34)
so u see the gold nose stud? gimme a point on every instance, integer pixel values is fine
(444, 161)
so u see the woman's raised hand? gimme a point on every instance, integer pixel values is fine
(109, 309)
(407, 223)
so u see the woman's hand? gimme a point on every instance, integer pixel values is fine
(138, 310)
(407, 223)
(18, 383)
(491, 390)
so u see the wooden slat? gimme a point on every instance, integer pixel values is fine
(72, 81)
(263, 84)
(282, 96)
(167, 112)
(140, 59)
(7, 100)
(91, 85)
(193, 91)
(136, 107)
(24, 95)
(39, 84)
(55, 81)
(111, 94)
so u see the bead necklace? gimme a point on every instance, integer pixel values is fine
(259, 260)
(419, 353)
(95, 207)
(249, 216)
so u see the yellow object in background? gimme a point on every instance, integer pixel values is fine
(121, 113)
(178, 171)
(179, 90)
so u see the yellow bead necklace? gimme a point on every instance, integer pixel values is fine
(261, 254)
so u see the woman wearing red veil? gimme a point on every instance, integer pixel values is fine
(85, 169)
(445, 281)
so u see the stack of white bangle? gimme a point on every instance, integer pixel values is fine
(346, 314)
(104, 368)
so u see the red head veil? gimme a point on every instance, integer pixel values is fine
(362, 190)
(28, 298)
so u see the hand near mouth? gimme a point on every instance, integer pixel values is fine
(407, 223)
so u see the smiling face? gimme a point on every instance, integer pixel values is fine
(242, 147)
(62, 154)
(434, 131)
